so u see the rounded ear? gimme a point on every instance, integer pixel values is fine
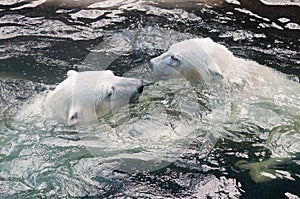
(111, 90)
(71, 72)
(109, 71)
(73, 117)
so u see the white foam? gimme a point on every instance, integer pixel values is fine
(283, 20)
(292, 26)
(281, 2)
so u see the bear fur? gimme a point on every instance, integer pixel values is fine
(85, 96)
(206, 60)
(268, 97)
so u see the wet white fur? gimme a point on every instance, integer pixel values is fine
(85, 96)
(204, 59)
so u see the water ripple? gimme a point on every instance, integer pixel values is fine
(192, 143)
(20, 25)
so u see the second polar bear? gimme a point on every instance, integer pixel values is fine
(85, 96)
(204, 59)
(266, 102)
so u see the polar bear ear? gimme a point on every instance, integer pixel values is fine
(71, 72)
(73, 117)
(109, 71)
(111, 91)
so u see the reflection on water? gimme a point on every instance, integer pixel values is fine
(180, 140)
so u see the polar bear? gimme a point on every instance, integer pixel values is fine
(204, 59)
(268, 99)
(85, 96)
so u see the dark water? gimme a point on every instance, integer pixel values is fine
(41, 40)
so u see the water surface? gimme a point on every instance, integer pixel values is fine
(181, 140)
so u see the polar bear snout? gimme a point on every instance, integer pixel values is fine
(165, 66)
(135, 96)
(156, 62)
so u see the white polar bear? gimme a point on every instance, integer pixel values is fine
(203, 59)
(269, 100)
(85, 96)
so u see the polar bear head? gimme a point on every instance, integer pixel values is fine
(85, 96)
(199, 58)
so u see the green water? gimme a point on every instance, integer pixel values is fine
(181, 140)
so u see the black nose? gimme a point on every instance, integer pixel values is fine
(140, 89)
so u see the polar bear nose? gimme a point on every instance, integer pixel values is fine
(140, 89)
(135, 96)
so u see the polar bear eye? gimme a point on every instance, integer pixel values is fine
(174, 58)
(174, 62)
